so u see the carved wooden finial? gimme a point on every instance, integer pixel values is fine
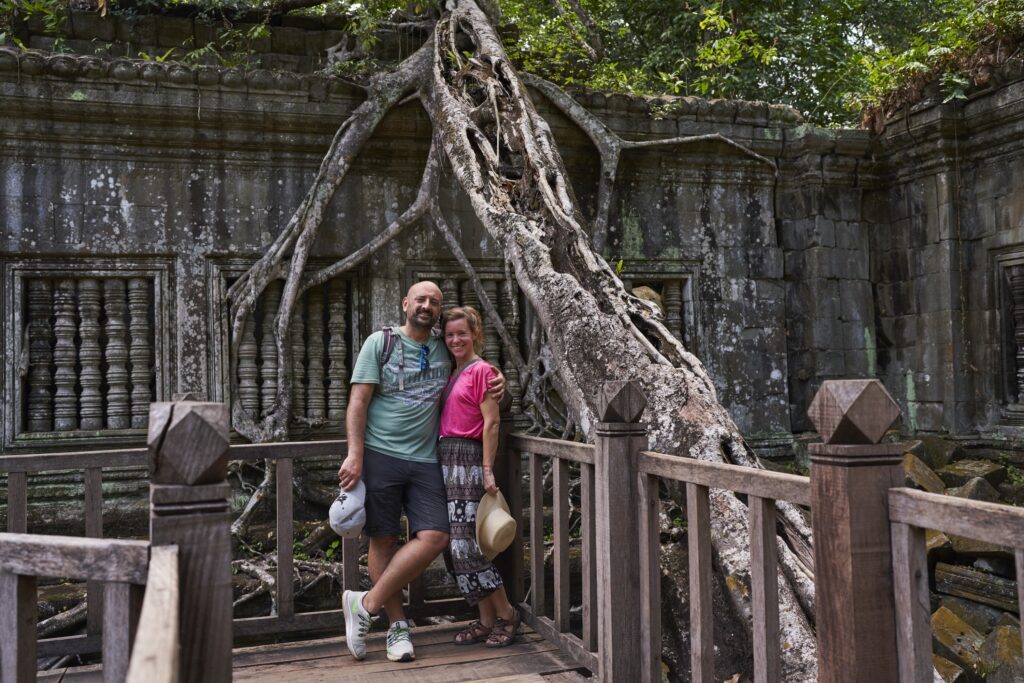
(852, 411)
(188, 442)
(621, 401)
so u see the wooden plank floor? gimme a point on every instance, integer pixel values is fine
(530, 659)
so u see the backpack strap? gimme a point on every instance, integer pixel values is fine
(387, 348)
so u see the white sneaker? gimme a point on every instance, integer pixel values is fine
(357, 622)
(399, 643)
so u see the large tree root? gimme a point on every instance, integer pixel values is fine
(526, 204)
(504, 158)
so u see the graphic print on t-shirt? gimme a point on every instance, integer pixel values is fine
(421, 386)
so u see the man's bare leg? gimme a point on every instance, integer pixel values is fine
(400, 568)
(382, 550)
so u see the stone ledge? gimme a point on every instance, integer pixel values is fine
(123, 70)
(128, 71)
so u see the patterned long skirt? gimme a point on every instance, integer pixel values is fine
(462, 468)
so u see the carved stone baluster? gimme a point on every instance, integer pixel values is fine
(337, 373)
(672, 297)
(40, 355)
(140, 352)
(449, 293)
(248, 389)
(315, 391)
(89, 354)
(116, 354)
(469, 297)
(297, 344)
(65, 400)
(268, 349)
(492, 345)
(506, 310)
(1016, 277)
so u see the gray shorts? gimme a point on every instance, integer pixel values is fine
(393, 484)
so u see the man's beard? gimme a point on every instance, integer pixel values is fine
(414, 321)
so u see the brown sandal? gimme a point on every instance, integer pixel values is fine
(504, 632)
(476, 632)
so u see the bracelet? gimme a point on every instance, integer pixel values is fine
(488, 467)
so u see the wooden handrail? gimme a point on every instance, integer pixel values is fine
(287, 450)
(155, 651)
(553, 448)
(74, 558)
(971, 518)
(753, 482)
(136, 457)
(46, 462)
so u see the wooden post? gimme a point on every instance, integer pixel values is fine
(509, 477)
(17, 628)
(621, 612)
(188, 446)
(851, 474)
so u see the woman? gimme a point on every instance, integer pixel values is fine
(466, 451)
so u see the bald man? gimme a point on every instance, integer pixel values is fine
(391, 427)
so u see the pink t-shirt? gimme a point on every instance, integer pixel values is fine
(461, 414)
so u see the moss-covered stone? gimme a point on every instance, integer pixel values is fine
(976, 489)
(956, 640)
(959, 473)
(948, 671)
(981, 617)
(1002, 648)
(919, 475)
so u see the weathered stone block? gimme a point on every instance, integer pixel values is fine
(976, 489)
(948, 671)
(939, 452)
(982, 618)
(289, 41)
(174, 31)
(955, 639)
(959, 473)
(91, 26)
(1002, 648)
(919, 475)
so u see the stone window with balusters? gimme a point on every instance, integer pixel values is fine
(89, 343)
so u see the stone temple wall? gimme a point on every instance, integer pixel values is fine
(946, 261)
(132, 193)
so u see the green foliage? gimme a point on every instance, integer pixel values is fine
(830, 59)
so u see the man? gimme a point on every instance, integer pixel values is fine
(391, 427)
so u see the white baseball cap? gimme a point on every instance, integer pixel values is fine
(348, 512)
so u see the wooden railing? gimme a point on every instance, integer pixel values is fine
(280, 456)
(763, 489)
(120, 566)
(911, 512)
(557, 629)
(854, 494)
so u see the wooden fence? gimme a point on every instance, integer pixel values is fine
(871, 621)
(279, 456)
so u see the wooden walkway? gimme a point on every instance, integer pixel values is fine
(438, 660)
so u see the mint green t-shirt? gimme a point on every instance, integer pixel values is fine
(403, 423)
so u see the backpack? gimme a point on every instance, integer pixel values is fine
(387, 348)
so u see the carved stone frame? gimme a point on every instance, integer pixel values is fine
(1006, 365)
(15, 272)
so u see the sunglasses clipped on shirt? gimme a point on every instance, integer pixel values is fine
(424, 357)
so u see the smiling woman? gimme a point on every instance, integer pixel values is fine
(466, 451)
